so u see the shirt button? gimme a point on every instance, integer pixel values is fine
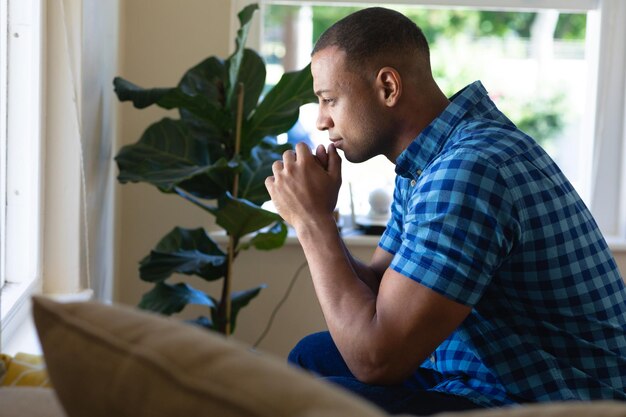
(432, 358)
(418, 172)
(413, 182)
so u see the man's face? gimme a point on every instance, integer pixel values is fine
(350, 108)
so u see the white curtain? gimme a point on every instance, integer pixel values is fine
(82, 37)
(609, 150)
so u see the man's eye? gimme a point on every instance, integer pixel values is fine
(328, 100)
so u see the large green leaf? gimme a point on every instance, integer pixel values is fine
(270, 142)
(141, 97)
(166, 155)
(234, 61)
(168, 98)
(235, 215)
(169, 299)
(280, 108)
(184, 251)
(240, 217)
(252, 174)
(239, 300)
(254, 171)
(206, 79)
(207, 82)
(252, 75)
(214, 182)
(267, 240)
(200, 92)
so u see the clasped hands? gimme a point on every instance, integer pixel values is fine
(304, 186)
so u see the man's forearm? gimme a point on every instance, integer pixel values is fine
(365, 273)
(331, 262)
(347, 299)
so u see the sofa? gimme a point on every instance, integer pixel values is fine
(107, 360)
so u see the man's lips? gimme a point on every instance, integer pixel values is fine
(336, 141)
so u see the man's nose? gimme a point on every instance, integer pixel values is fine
(324, 122)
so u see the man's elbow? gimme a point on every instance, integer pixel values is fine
(375, 378)
(382, 372)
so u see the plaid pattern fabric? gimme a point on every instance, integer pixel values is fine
(482, 215)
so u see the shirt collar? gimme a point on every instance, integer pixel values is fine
(429, 142)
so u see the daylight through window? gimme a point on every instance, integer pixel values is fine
(533, 64)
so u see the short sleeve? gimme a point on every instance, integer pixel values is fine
(391, 239)
(459, 225)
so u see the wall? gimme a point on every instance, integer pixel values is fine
(620, 257)
(161, 39)
(299, 315)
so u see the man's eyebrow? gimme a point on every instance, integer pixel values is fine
(320, 92)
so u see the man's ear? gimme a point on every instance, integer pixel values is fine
(389, 84)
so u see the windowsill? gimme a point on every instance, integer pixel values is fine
(351, 237)
(354, 237)
(616, 244)
(18, 329)
(15, 310)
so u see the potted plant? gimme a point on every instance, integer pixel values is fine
(216, 156)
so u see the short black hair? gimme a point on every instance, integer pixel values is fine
(375, 32)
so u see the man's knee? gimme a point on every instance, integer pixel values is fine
(309, 348)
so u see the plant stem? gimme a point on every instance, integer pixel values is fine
(233, 240)
(238, 125)
(226, 302)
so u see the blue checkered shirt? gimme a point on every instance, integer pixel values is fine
(482, 215)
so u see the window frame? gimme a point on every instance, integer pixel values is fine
(520, 5)
(22, 144)
(608, 91)
(608, 202)
(24, 141)
(3, 134)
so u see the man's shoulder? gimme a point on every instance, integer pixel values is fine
(491, 141)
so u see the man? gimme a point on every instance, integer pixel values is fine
(491, 285)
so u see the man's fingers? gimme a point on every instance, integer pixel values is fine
(322, 156)
(289, 157)
(277, 166)
(303, 151)
(334, 161)
(269, 183)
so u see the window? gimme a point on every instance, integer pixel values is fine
(20, 167)
(23, 237)
(547, 68)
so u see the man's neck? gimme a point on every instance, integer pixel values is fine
(415, 117)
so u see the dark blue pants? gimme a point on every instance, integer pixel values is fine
(317, 353)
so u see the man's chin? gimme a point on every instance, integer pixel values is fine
(355, 159)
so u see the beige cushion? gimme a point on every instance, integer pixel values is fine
(29, 402)
(565, 409)
(116, 361)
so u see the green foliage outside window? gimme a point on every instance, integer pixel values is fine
(541, 117)
(438, 22)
